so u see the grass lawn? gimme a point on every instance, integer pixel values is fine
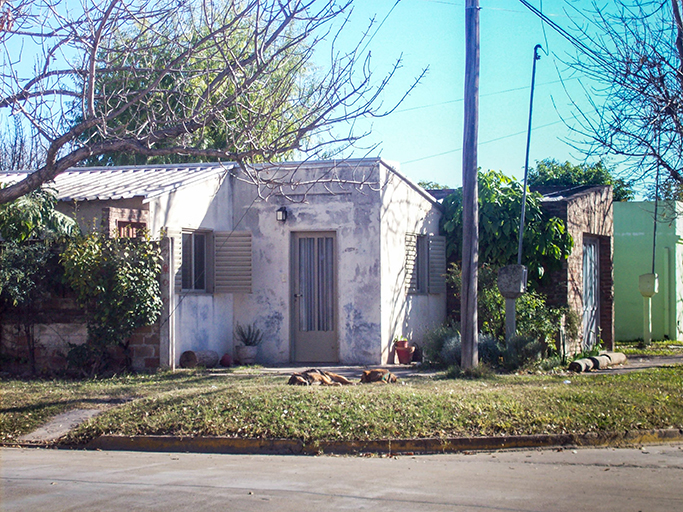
(656, 348)
(225, 404)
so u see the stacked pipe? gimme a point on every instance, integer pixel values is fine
(599, 362)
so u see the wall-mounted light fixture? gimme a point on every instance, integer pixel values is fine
(281, 214)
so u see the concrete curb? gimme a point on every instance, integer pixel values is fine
(388, 446)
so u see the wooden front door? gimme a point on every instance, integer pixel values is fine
(314, 298)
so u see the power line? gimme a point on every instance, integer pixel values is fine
(524, 87)
(480, 144)
(379, 27)
(569, 37)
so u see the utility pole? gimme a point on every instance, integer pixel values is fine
(470, 194)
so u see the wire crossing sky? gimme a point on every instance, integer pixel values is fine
(424, 135)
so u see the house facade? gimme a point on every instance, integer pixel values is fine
(634, 233)
(330, 267)
(585, 282)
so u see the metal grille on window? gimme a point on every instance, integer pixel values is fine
(591, 280)
(325, 284)
(186, 265)
(194, 261)
(411, 261)
(316, 284)
(199, 261)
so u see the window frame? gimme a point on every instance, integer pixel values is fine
(424, 253)
(205, 286)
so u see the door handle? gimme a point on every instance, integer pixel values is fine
(297, 295)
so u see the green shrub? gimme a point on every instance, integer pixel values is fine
(116, 280)
(451, 351)
(443, 347)
(490, 350)
(522, 350)
(481, 371)
(534, 319)
(434, 341)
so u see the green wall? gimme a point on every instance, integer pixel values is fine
(633, 232)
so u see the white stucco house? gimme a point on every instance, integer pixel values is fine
(330, 268)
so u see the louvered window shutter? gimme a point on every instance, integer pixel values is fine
(176, 257)
(232, 262)
(437, 264)
(411, 263)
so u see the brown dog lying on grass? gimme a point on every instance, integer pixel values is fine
(315, 377)
(379, 375)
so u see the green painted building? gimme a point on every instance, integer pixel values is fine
(633, 251)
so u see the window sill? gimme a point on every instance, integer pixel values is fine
(195, 292)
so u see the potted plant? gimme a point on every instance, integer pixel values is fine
(400, 341)
(250, 338)
(404, 352)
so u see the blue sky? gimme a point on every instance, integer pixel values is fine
(425, 134)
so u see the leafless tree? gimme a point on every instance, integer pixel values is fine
(204, 80)
(632, 50)
(19, 152)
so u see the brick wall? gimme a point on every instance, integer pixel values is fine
(144, 347)
(586, 213)
(61, 323)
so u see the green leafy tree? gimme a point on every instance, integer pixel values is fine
(551, 173)
(25, 282)
(116, 280)
(29, 272)
(546, 240)
(34, 216)
(432, 185)
(281, 97)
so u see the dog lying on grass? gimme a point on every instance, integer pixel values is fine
(315, 377)
(379, 375)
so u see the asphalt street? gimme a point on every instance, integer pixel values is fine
(648, 479)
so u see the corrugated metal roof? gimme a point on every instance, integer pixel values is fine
(89, 183)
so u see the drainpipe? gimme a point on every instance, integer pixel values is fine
(667, 293)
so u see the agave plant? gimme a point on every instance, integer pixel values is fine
(250, 336)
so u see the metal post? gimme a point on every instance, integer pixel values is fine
(526, 160)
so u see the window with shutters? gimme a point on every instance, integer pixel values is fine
(211, 261)
(425, 264)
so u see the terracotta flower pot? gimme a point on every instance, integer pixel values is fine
(405, 354)
(401, 343)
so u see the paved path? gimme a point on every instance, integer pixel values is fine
(644, 362)
(530, 481)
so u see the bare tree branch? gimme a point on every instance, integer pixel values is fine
(636, 100)
(183, 80)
